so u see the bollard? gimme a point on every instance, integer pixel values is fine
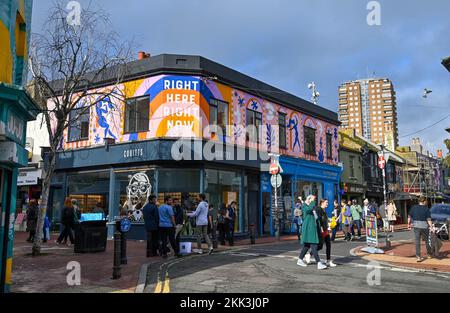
(123, 248)
(252, 233)
(116, 268)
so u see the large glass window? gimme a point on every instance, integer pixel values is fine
(254, 119)
(137, 114)
(89, 189)
(352, 165)
(305, 188)
(223, 187)
(79, 124)
(218, 114)
(310, 140)
(282, 129)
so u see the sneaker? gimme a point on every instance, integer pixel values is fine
(429, 256)
(331, 264)
(200, 252)
(419, 259)
(308, 258)
(301, 263)
(210, 251)
(321, 266)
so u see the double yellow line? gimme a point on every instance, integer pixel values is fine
(163, 286)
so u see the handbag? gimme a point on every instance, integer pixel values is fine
(325, 234)
(333, 223)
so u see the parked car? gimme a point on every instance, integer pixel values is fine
(440, 215)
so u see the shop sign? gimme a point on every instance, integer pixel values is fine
(28, 178)
(355, 189)
(372, 231)
(133, 153)
(276, 181)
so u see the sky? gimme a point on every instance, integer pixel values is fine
(290, 43)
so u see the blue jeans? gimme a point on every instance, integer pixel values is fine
(358, 226)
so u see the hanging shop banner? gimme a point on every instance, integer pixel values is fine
(372, 231)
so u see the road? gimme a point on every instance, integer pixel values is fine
(272, 268)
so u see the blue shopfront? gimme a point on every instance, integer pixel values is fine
(300, 179)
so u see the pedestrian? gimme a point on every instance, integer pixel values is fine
(32, 217)
(167, 227)
(67, 222)
(179, 219)
(325, 230)
(298, 218)
(77, 210)
(335, 215)
(232, 220)
(310, 233)
(210, 218)
(223, 225)
(46, 230)
(201, 222)
(356, 211)
(366, 211)
(419, 218)
(391, 215)
(345, 219)
(151, 220)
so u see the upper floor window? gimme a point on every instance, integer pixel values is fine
(254, 118)
(310, 140)
(218, 114)
(329, 145)
(79, 124)
(282, 129)
(351, 160)
(137, 114)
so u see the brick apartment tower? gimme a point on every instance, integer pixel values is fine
(369, 106)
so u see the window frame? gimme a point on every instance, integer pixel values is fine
(216, 106)
(87, 111)
(282, 126)
(329, 144)
(136, 99)
(255, 118)
(306, 130)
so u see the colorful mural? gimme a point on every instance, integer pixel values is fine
(179, 107)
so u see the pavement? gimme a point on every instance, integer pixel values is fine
(266, 262)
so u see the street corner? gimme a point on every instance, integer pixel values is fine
(402, 255)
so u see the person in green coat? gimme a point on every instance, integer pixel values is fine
(310, 232)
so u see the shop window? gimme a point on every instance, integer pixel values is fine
(223, 187)
(218, 114)
(305, 188)
(79, 124)
(89, 189)
(329, 144)
(310, 140)
(254, 120)
(137, 114)
(282, 129)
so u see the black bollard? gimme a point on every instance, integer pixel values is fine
(123, 248)
(116, 267)
(252, 233)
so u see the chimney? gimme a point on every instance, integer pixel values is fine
(143, 55)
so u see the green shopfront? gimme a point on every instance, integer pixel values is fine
(16, 108)
(101, 175)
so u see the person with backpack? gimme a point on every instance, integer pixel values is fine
(223, 224)
(356, 211)
(335, 219)
(32, 217)
(345, 219)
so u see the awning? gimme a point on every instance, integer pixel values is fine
(404, 196)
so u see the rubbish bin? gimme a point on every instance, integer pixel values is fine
(90, 236)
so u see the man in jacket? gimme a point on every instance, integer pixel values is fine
(232, 220)
(356, 215)
(201, 222)
(151, 219)
(419, 218)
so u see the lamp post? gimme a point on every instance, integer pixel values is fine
(382, 162)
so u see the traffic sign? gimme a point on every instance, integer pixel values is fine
(381, 162)
(125, 225)
(274, 169)
(276, 181)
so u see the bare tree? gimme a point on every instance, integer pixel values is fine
(65, 61)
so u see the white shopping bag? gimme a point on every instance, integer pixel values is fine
(185, 247)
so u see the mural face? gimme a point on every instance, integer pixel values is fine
(179, 107)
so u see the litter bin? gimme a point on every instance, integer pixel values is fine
(90, 236)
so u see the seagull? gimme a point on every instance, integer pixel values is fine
(426, 92)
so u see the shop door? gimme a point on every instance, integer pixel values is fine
(253, 213)
(54, 205)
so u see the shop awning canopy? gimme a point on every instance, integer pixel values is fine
(404, 196)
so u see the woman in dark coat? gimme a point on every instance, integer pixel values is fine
(310, 232)
(32, 216)
(67, 222)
